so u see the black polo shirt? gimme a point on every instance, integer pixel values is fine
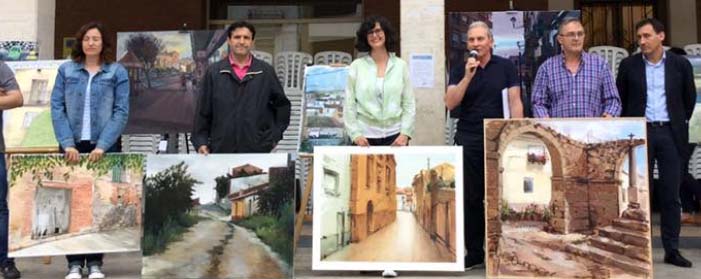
(483, 95)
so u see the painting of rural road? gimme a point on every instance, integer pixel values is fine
(567, 198)
(58, 208)
(218, 216)
(388, 208)
(165, 70)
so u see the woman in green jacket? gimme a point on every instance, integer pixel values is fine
(380, 106)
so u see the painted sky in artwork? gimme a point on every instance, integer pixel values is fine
(409, 165)
(207, 168)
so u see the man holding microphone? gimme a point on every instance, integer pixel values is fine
(476, 87)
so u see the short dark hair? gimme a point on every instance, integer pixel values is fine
(566, 21)
(241, 24)
(656, 24)
(77, 53)
(361, 43)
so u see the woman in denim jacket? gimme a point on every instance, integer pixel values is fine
(89, 109)
(380, 105)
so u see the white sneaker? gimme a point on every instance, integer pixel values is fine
(95, 272)
(74, 272)
(388, 273)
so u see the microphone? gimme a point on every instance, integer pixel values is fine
(472, 54)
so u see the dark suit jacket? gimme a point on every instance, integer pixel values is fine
(680, 93)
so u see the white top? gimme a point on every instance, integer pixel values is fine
(85, 132)
(381, 132)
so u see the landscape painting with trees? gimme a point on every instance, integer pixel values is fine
(165, 69)
(219, 216)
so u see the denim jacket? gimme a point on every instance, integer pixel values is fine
(109, 104)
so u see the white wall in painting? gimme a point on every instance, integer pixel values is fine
(335, 218)
(526, 182)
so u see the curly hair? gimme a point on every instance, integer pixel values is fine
(361, 43)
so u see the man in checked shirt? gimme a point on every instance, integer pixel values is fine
(574, 83)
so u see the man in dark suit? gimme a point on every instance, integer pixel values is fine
(660, 86)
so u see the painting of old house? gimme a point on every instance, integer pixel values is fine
(206, 217)
(364, 221)
(30, 125)
(567, 198)
(59, 209)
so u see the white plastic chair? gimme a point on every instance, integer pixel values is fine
(265, 56)
(332, 57)
(613, 56)
(693, 49)
(289, 67)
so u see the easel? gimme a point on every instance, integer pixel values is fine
(299, 219)
(28, 150)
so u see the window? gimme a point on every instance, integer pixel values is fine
(331, 182)
(528, 185)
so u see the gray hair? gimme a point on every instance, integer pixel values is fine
(482, 24)
(566, 21)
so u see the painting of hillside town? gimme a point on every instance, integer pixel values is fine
(386, 208)
(165, 70)
(30, 126)
(525, 38)
(695, 121)
(567, 198)
(58, 208)
(18, 51)
(324, 91)
(219, 216)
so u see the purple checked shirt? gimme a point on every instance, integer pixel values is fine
(590, 92)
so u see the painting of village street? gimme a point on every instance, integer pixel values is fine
(324, 91)
(219, 216)
(30, 125)
(165, 71)
(58, 208)
(387, 208)
(567, 198)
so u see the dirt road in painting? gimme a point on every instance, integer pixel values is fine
(214, 248)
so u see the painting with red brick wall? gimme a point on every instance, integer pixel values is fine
(360, 223)
(87, 207)
(580, 209)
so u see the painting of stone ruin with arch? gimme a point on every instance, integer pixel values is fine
(567, 198)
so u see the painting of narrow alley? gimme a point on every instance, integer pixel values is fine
(219, 216)
(387, 208)
(58, 208)
(567, 199)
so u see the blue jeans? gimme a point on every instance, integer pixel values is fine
(4, 213)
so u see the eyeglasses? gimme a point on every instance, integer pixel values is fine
(573, 35)
(377, 31)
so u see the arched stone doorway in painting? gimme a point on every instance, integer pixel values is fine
(369, 212)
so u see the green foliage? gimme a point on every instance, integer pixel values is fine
(41, 166)
(222, 186)
(281, 191)
(275, 232)
(168, 196)
(172, 229)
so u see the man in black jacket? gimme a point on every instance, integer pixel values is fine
(242, 108)
(659, 85)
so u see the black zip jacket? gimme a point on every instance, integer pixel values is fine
(240, 116)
